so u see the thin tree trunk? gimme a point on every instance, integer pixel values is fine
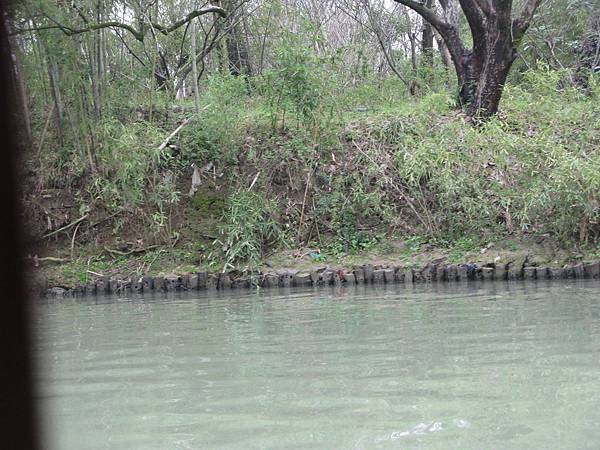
(20, 84)
(264, 40)
(93, 70)
(237, 51)
(444, 53)
(246, 29)
(223, 53)
(194, 68)
(373, 22)
(413, 50)
(53, 75)
(101, 56)
(427, 41)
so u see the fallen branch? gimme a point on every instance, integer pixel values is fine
(73, 239)
(304, 200)
(253, 182)
(66, 227)
(130, 252)
(94, 225)
(50, 259)
(94, 273)
(177, 130)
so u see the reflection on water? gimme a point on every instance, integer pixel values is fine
(474, 366)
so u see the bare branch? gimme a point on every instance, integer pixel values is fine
(448, 32)
(521, 23)
(66, 227)
(137, 34)
(183, 71)
(210, 9)
(382, 44)
(426, 13)
(474, 16)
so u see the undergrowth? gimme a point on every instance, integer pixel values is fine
(303, 163)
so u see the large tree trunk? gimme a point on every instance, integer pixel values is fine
(481, 71)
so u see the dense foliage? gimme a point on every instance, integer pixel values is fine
(340, 134)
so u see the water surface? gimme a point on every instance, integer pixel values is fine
(449, 366)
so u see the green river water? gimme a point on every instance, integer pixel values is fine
(448, 366)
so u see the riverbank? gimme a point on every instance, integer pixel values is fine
(391, 182)
(407, 261)
(367, 274)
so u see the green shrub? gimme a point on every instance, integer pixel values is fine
(218, 133)
(249, 228)
(532, 169)
(133, 174)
